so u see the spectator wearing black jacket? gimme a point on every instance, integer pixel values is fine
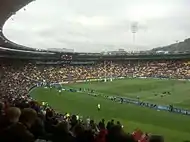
(19, 132)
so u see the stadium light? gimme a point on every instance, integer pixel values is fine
(134, 30)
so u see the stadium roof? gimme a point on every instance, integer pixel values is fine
(7, 9)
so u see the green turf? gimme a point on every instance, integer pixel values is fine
(174, 127)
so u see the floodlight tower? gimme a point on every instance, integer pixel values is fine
(134, 30)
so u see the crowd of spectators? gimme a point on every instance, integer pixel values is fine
(16, 79)
(24, 120)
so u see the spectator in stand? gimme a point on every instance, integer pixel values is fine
(156, 138)
(137, 134)
(1, 109)
(62, 133)
(116, 134)
(10, 118)
(20, 131)
(101, 137)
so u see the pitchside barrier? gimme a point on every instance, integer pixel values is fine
(116, 78)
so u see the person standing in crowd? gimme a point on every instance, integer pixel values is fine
(10, 118)
(20, 131)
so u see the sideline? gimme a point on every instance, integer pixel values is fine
(122, 99)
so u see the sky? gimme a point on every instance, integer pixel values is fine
(100, 25)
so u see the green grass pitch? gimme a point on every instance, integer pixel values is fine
(174, 127)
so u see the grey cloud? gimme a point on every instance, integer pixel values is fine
(66, 24)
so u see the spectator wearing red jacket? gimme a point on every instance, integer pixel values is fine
(101, 137)
(137, 134)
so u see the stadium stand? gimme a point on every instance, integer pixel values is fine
(15, 74)
(9, 8)
(18, 77)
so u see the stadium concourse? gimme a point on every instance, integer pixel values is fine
(27, 120)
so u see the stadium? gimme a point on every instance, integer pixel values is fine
(86, 97)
